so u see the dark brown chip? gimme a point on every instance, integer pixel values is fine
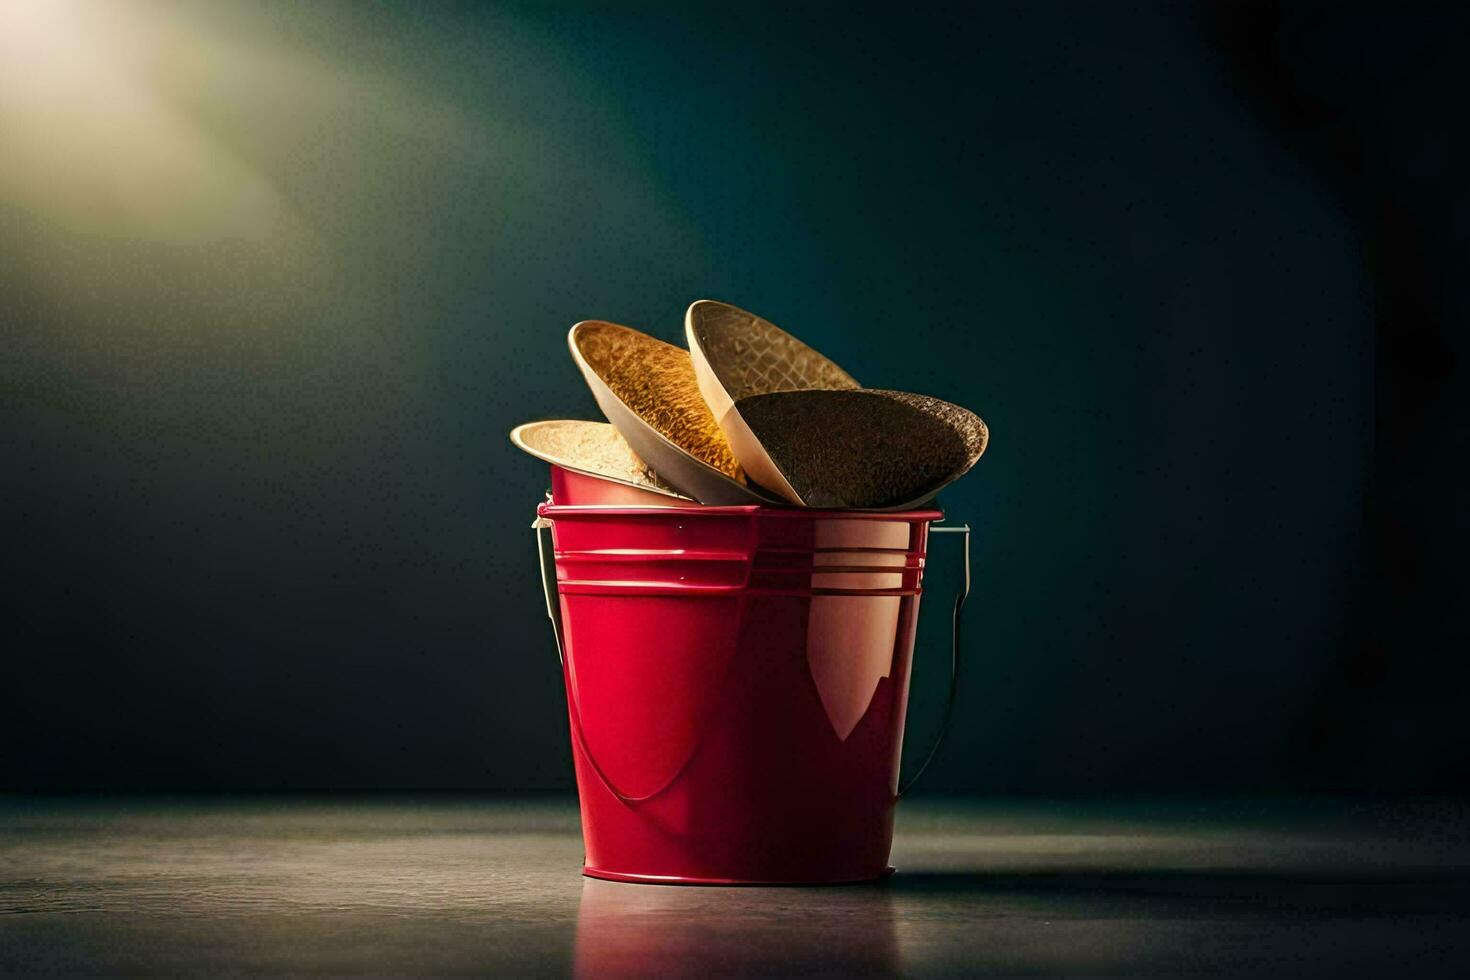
(863, 448)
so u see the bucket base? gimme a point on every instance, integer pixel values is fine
(591, 872)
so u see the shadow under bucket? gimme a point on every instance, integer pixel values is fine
(737, 680)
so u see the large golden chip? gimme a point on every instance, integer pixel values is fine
(656, 382)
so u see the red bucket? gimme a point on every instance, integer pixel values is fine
(737, 679)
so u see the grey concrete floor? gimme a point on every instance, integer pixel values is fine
(400, 886)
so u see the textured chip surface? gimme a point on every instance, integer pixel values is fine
(752, 356)
(970, 427)
(864, 447)
(656, 381)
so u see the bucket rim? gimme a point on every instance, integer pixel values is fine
(552, 511)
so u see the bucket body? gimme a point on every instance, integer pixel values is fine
(736, 680)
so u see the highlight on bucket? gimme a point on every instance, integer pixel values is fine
(736, 637)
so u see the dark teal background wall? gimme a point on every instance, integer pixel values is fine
(277, 280)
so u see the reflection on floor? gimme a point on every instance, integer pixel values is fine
(453, 885)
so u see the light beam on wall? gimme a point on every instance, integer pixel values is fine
(90, 140)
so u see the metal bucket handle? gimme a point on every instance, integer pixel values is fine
(547, 558)
(553, 611)
(954, 658)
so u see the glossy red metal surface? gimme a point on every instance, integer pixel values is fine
(571, 487)
(736, 686)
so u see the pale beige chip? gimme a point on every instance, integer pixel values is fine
(593, 448)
